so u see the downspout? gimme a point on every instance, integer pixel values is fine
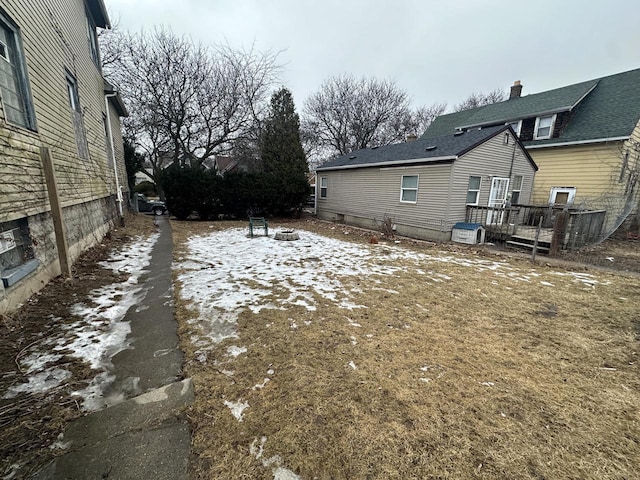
(315, 197)
(113, 155)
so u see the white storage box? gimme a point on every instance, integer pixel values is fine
(470, 233)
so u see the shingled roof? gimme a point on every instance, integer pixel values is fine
(604, 108)
(441, 149)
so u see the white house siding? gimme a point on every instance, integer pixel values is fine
(54, 41)
(488, 160)
(368, 196)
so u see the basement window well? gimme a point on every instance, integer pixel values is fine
(16, 255)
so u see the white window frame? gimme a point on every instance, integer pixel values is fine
(477, 192)
(324, 185)
(14, 55)
(519, 127)
(409, 189)
(537, 126)
(514, 184)
(571, 191)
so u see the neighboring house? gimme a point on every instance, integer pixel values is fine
(229, 164)
(61, 155)
(583, 137)
(422, 188)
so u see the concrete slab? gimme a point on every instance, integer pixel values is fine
(143, 433)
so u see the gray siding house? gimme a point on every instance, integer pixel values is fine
(423, 187)
(61, 152)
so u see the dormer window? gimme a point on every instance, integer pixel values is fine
(516, 126)
(544, 127)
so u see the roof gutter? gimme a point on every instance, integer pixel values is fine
(528, 115)
(579, 142)
(390, 163)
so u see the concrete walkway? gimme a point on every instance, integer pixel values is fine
(143, 434)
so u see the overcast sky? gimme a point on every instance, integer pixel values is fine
(437, 51)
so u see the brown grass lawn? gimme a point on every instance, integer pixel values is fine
(475, 376)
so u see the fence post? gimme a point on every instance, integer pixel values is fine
(56, 211)
(559, 230)
(535, 241)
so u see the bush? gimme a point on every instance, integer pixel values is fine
(146, 188)
(240, 195)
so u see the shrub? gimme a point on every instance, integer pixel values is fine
(146, 188)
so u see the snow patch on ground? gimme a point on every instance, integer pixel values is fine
(279, 472)
(99, 333)
(237, 408)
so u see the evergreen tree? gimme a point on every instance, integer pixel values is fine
(284, 160)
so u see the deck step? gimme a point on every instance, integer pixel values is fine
(540, 248)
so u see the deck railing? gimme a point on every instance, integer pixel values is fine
(572, 228)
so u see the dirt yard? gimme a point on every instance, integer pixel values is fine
(334, 357)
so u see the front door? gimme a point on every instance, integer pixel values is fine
(497, 200)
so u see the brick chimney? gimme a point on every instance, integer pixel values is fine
(412, 137)
(516, 90)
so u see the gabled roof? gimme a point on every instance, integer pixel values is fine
(446, 148)
(603, 108)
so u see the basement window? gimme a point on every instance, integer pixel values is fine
(409, 189)
(16, 255)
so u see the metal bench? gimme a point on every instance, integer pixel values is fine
(258, 222)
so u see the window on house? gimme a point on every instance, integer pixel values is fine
(544, 127)
(15, 251)
(324, 181)
(473, 190)
(516, 189)
(409, 189)
(107, 139)
(14, 87)
(516, 126)
(76, 116)
(92, 37)
(562, 195)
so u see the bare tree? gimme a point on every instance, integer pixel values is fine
(480, 99)
(424, 116)
(189, 102)
(348, 114)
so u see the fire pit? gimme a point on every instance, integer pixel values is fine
(287, 235)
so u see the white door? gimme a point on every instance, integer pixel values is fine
(497, 199)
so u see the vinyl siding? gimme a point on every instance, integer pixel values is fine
(374, 193)
(491, 159)
(593, 169)
(54, 41)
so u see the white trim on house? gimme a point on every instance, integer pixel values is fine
(409, 189)
(517, 130)
(477, 191)
(550, 127)
(324, 187)
(505, 121)
(570, 191)
(578, 142)
(392, 162)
